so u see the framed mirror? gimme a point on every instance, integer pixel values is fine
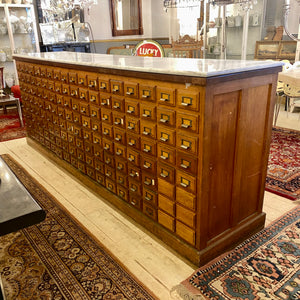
(126, 17)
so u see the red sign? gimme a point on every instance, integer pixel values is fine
(149, 48)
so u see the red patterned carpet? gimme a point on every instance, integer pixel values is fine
(283, 177)
(10, 128)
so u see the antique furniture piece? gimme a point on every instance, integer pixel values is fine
(174, 140)
(187, 47)
(8, 100)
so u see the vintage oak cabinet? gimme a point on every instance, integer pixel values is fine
(179, 145)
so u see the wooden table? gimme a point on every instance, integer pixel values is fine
(7, 100)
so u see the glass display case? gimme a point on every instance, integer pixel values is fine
(18, 34)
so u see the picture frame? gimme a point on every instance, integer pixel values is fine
(266, 49)
(287, 50)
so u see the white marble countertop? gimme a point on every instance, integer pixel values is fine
(165, 65)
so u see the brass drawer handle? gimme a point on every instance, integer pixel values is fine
(147, 182)
(164, 175)
(103, 87)
(131, 159)
(116, 106)
(120, 167)
(130, 127)
(146, 115)
(184, 166)
(147, 150)
(185, 125)
(108, 174)
(107, 161)
(133, 174)
(130, 111)
(164, 157)
(118, 139)
(145, 96)
(164, 139)
(184, 184)
(146, 167)
(164, 99)
(117, 122)
(133, 203)
(93, 99)
(185, 147)
(93, 114)
(106, 148)
(129, 93)
(119, 153)
(115, 90)
(164, 120)
(133, 189)
(121, 193)
(148, 198)
(106, 132)
(131, 143)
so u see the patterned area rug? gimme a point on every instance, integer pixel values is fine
(10, 128)
(266, 266)
(283, 177)
(59, 259)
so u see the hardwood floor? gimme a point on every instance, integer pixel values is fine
(157, 266)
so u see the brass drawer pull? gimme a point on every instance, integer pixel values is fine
(146, 166)
(185, 125)
(133, 189)
(103, 87)
(117, 122)
(106, 147)
(93, 114)
(131, 158)
(106, 132)
(147, 182)
(121, 193)
(164, 99)
(129, 93)
(133, 203)
(184, 184)
(108, 174)
(93, 99)
(120, 167)
(82, 97)
(115, 90)
(116, 106)
(184, 166)
(130, 127)
(118, 139)
(146, 132)
(184, 147)
(119, 152)
(81, 81)
(145, 96)
(130, 111)
(107, 161)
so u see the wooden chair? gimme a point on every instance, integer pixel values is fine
(187, 47)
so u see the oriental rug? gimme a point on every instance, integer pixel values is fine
(59, 259)
(283, 175)
(10, 128)
(266, 266)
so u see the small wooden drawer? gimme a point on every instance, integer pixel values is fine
(105, 100)
(67, 102)
(133, 157)
(55, 87)
(49, 73)
(97, 139)
(120, 150)
(148, 111)
(67, 156)
(59, 100)
(74, 91)
(166, 116)
(95, 111)
(109, 159)
(82, 79)
(186, 181)
(131, 89)
(77, 118)
(83, 94)
(119, 119)
(104, 85)
(166, 135)
(117, 87)
(100, 178)
(187, 162)
(108, 145)
(64, 76)
(188, 122)
(148, 146)
(73, 78)
(111, 185)
(133, 140)
(186, 199)
(106, 115)
(77, 131)
(185, 232)
(89, 159)
(149, 211)
(61, 112)
(71, 139)
(65, 90)
(80, 154)
(135, 200)
(133, 124)
(65, 146)
(185, 216)
(110, 172)
(93, 97)
(166, 204)
(52, 97)
(74, 161)
(166, 220)
(150, 197)
(88, 148)
(76, 105)
(82, 167)
(120, 136)
(149, 180)
(166, 172)
(90, 172)
(165, 96)
(148, 164)
(86, 122)
(134, 187)
(64, 135)
(147, 92)
(121, 165)
(55, 120)
(58, 142)
(166, 154)
(107, 131)
(188, 100)
(87, 135)
(79, 143)
(122, 192)
(122, 179)
(187, 143)
(148, 129)
(132, 107)
(134, 172)
(95, 125)
(118, 103)
(56, 74)
(92, 81)
(98, 152)
(99, 166)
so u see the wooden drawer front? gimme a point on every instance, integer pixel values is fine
(83, 94)
(148, 111)
(149, 180)
(166, 154)
(188, 100)
(64, 135)
(166, 188)
(110, 172)
(108, 145)
(98, 152)
(81, 167)
(185, 216)
(120, 136)
(109, 159)
(89, 159)
(82, 79)
(131, 89)
(134, 172)
(166, 96)
(88, 148)
(74, 161)
(73, 78)
(133, 157)
(167, 136)
(90, 172)
(92, 81)
(110, 185)
(119, 119)
(120, 150)
(188, 122)
(61, 112)
(95, 111)
(135, 200)
(93, 97)
(106, 115)
(50, 86)
(186, 199)
(65, 89)
(80, 155)
(52, 97)
(148, 129)
(67, 102)
(64, 76)
(147, 92)
(148, 146)
(150, 197)
(44, 83)
(99, 166)
(49, 73)
(187, 143)
(79, 143)
(132, 107)
(105, 100)
(121, 165)
(121, 179)
(185, 232)
(148, 164)
(71, 139)
(117, 87)
(55, 120)
(77, 131)
(67, 156)
(75, 105)
(166, 220)
(86, 122)
(74, 92)
(107, 131)
(104, 85)
(100, 178)
(133, 140)
(166, 172)
(134, 187)
(166, 204)
(56, 74)
(186, 181)
(97, 139)
(187, 162)
(149, 211)
(166, 116)
(118, 103)
(77, 118)
(58, 142)
(122, 193)
(133, 124)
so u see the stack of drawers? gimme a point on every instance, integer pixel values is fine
(141, 139)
